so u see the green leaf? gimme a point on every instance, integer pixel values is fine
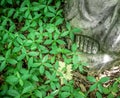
(52, 9)
(30, 62)
(36, 65)
(16, 49)
(104, 79)
(65, 95)
(81, 69)
(10, 2)
(2, 2)
(19, 40)
(12, 61)
(76, 59)
(111, 96)
(71, 36)
(12, 79)
(27, 13)
(106, 90)
(74, 47)
(100, 88)
(23, 50)
(79, 94)
(31, 34)
(52, 59)
(21, 57)
(12, 28)
(48, 65)
(55, 92)
(98, 95)
(68, 26)
(65, 88)
(11, 11)
(35, 8)
(65, 51)
(5, 37)
(114, 87)
(93, 87)
(7, 55)
(20, 18)
(28, 42)
(49, 14)
(117, 96)
(42, 6)
(57, 4)
(10, 44)
(91, 79)
(48, 42)
(37, 16)
(3, 65)
(59, 21)
(50, 28)
(30, 16)
(61, 42)
(16, 14)
(49, 2)
(54, 51)
(66, 59)
(65, 33)
(13, 93)
(76, 30)
(26, 76)
(45, 58)
(33, 47)
(45, 10)
(56, 36)
(52, 85)
(22, 9)
(33, 53)
(2, 58)
(45, 50)
(35, 78)
(33, 24)
(41, 69)
(47, 73)
(2, 28)
(28, 89)
(49, 96)
(24, 28)
(21, 82)
(18, 74)
(4, 22)
(38, 94)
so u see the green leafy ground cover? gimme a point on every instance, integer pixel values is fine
(31, 46)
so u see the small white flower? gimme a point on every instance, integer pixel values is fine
(65, 70)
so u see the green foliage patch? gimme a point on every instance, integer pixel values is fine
(31, 45)
(31, 41)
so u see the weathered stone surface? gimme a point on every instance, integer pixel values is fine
(100, 20)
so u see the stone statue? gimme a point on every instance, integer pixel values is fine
(99, 21)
